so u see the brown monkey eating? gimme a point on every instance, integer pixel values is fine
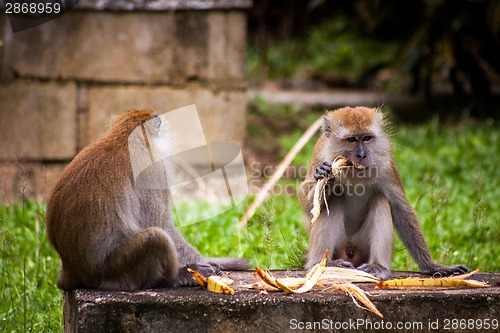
(364, 204)
(113, 234)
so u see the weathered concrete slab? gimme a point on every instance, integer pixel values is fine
(222, 114)
(27, 179)
(141, 47)
(60, 81)
(37, 120)
(197, 310)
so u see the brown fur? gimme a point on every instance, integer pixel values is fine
(109, 232)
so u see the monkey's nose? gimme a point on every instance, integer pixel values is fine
(361, 154)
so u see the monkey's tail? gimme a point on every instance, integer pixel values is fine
(230, 264)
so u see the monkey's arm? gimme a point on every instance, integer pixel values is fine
(306, 190)
(409, 229)
(306, 194)
(229, 263)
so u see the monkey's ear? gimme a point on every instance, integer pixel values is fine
(156, 122)
(326, 128)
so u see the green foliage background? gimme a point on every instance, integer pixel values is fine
(451, 178)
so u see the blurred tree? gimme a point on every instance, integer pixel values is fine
(457, 38)
(452, 43)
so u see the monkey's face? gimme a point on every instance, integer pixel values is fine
(357, 134)
(357, 148)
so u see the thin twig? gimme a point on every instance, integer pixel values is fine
(261, 196)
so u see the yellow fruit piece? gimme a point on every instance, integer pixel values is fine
(217, 284)
(458, 281)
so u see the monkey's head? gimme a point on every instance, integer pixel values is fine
(127, 121)
(357, 134)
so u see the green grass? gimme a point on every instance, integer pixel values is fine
(29, 298)
(451, 177)
(452, 180)
(272, 239)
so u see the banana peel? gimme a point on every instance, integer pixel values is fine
(337, 165)
(292, 285)
(219, 284)
(457, 281)
(214, 283)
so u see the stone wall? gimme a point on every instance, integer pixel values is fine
(61, 81)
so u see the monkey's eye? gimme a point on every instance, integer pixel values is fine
(352, 139)
(367, 138)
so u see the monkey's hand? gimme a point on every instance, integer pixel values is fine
(443, 270)
(324, 170)
(206, 269)
(378, 271)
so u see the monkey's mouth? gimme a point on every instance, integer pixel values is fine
(360, 169)
(362, 165)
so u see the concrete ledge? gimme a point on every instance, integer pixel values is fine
(335, 98)
(197, 310)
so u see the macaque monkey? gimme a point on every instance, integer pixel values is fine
(112, 234)
(364, 204)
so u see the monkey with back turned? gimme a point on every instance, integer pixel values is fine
(110, 233)
(364, 204)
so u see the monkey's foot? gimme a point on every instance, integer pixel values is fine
(443, 270)
(342, 264)
(378, 271)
